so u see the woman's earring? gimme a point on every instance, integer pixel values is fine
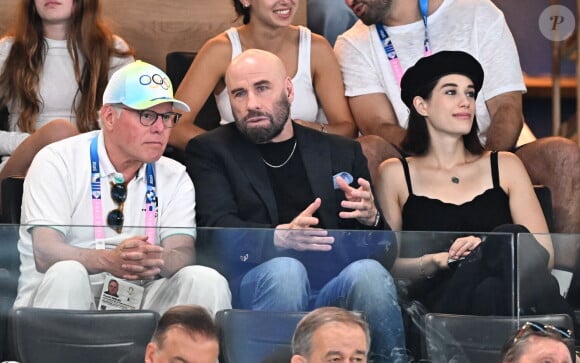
(246, 5)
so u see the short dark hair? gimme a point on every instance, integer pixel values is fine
(193, 318)
(417, 141)
(302, 339)
(242, 11)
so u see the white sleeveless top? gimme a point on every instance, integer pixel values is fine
(305, 105)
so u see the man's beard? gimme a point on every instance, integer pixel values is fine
(260, 135)
(376, 11)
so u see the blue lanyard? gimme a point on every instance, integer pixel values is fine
(150, 199)
(390, 48)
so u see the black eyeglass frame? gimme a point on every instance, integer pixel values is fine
(169, 119)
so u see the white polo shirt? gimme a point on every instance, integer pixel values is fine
(57, 193)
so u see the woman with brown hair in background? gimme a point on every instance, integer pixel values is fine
(54, 66)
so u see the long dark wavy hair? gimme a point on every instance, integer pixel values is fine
(417, 140)
(90, 41)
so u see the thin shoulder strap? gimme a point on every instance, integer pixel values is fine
(407, 175)
(304, 50)
(494, 169)
(232, 33)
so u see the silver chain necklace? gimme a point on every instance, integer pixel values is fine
(285, 162)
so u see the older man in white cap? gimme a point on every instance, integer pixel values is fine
(138, 206)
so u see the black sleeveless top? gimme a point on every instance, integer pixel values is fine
(481, 214)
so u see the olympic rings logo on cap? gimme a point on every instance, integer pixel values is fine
(156, 79)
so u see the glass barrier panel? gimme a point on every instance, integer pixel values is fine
(548, 280)
(421, 304)
(465, 310)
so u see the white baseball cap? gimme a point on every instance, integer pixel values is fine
(140, 85)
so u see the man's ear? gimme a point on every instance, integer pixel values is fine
(297, 358)
(289, 89)
(108, 114)
(420, 105)
(150, 352)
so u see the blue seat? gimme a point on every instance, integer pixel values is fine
(256, 336)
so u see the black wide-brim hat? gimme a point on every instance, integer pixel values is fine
(433, 67)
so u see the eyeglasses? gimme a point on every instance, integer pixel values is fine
(149, 117)
(115, 218)
(544, 329)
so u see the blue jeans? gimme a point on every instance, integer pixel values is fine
(281, 284)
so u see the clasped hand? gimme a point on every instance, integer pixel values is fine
(136, 259)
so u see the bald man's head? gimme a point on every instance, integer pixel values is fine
(255, 60)
(260, 95)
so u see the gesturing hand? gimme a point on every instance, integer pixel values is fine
(300, 235)
(360, 200)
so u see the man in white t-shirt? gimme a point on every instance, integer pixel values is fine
(475, 26)
(107, 203)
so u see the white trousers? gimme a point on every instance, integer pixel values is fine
(67, 285)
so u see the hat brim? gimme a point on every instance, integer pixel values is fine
(180, 105)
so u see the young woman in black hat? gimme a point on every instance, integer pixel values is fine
(449, 182)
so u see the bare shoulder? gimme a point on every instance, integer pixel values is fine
(219, 45)
(323, 61)
(215, 55)
(511, 168)
(391, 185)
(508, 159)
(319, 43)
(391, 168)
(321, 51)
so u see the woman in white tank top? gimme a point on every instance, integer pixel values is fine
(319, 98)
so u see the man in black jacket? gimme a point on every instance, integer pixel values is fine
(265, 171)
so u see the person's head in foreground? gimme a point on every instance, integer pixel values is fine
(331, 334)
(137, 113)
(440, 91)
(184, 333)
(538, 343)
(260, 94)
